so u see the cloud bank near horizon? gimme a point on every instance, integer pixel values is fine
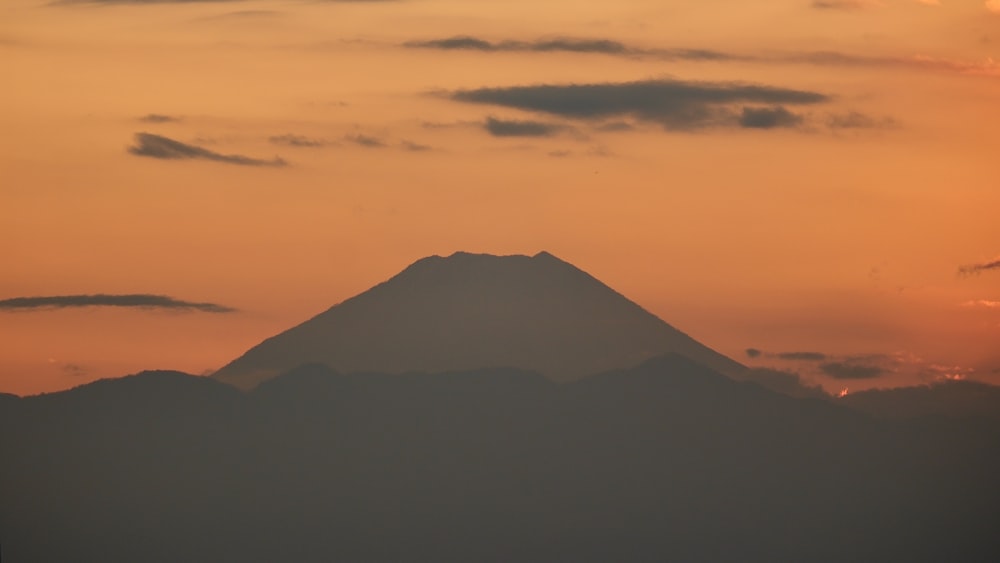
(136, 300)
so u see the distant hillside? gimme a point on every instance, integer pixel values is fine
(666, 461)
(947, 398)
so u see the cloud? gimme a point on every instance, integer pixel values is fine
(156, 146)
(803, 356)
(979, 268)
(290, 140)
(986, 303)
(857, 120)
(564, 44)
(791, 356)
(142, 301)
(73, 370)
(154, 2)
(569, 45)
(159, 118)
(143, 2)
(414, 147)
(459, 42)
(844, 4)
(987, 67)
(847, 370)
(365, 141)
(614, 48)
(673, 104)
(768, 118)
(516, 128)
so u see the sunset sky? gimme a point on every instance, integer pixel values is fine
(788, 176)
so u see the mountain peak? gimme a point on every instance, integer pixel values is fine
(471, 311)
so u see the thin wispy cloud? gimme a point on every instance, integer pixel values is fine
(986, 67)
(365, 141)
(970, 269)
(858, 120)
(155, 2)
(74, 370)
(845, 4)
(164, 148)
(674, 104)
(414, 147)
(985, 303)
(139, 300)
(146, 2)
(521, 128)
(290, 140)
(807, 356)
(920, 62)
(569, 45)
(159, 118)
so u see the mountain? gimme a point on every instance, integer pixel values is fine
(472, 311)
(664, 461)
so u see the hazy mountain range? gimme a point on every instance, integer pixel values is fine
(477, 408)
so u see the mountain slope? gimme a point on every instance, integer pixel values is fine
(471, 311)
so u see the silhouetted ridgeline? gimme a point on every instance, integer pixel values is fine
(947, 398)
(669, 461)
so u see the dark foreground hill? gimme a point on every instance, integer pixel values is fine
(469, 311)
(668, 461)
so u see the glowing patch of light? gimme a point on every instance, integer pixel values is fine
(843, 392)
(982, 303)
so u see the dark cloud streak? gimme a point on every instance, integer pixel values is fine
(569, 45)
(142, 301)
(159, 118)
(673, 104)
(365, 141)
(157, 146)
(979, 268)
(841, 4)
(768, 118)
(517, 128)
(291, 140)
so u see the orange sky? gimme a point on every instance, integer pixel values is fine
(840, 231)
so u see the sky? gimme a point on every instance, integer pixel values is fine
(802, 185)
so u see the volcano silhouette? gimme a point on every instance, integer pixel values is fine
(473, 311)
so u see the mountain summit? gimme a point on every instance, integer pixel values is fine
(472, 311)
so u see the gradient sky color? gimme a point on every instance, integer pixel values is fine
(788, 176)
